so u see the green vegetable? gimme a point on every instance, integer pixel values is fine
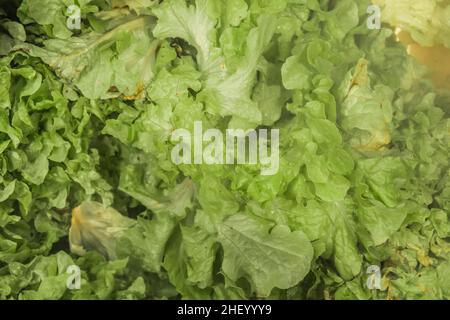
(428, 21)
(87, 180)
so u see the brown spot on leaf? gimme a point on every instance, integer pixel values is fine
(139, 93)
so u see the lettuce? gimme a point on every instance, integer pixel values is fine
(426, 21)
(86, 177)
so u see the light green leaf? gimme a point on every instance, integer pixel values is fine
(268, 256)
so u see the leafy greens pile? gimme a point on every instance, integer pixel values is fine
(86, 176)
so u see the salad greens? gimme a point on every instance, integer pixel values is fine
(87, 180)
(428, 21)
